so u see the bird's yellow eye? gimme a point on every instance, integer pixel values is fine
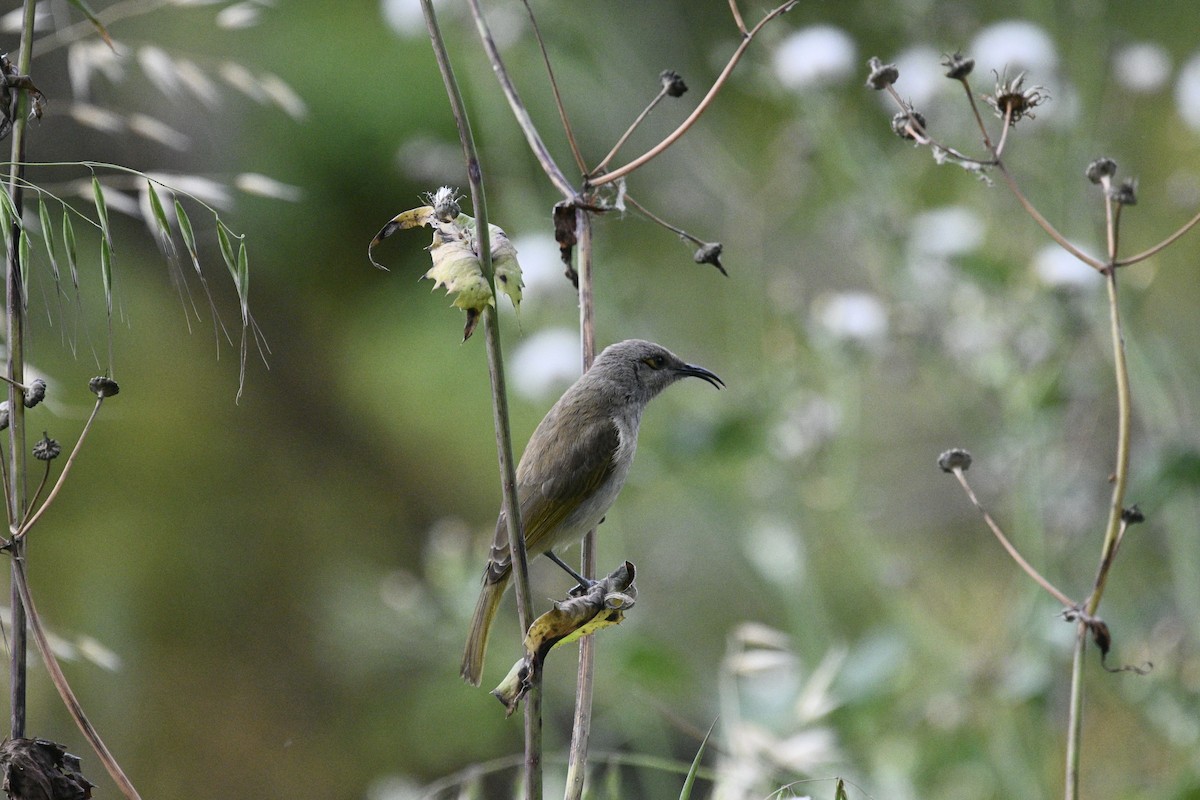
(655, 362)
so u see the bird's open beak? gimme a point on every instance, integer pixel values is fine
(700, 372)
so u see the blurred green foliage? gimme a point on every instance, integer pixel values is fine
(286, 581)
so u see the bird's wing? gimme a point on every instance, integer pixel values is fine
(571, 471)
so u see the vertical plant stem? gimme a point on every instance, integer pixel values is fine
(1116, 508)
(15, 370)
(582, 728)
(491, 326)
(1075, 714)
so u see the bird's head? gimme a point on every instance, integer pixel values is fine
(644, 368)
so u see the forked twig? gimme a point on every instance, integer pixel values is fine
(62, 476)
(684, 126)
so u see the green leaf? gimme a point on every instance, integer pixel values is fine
(106, 274)
(69, 246)
(189, 237)
(243, 280)
(227, 250)
(23, 266)
(96, 23)
(160, 215)
(48, 238)
(840, 792)
(686, 792)
(9, 212)
(101, 209)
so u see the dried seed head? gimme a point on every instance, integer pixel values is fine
(903, 121)
(103, 386)
(445, 204)
(710, 253)
(1126, 193)
(672, 83)
(1013, 101)
(35, 392)
(953, 459)
(46, 449)
(958, 66)
(882, 75)
(1132, 515)
(1100, 169)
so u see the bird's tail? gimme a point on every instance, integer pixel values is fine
(481, 625)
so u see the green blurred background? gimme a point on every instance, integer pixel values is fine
(268, 598)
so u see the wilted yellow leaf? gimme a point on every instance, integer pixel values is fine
(455, 254)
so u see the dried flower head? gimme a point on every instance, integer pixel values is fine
(953, 459)
(445, 204)
(882, 75)
(672, 83)
(103, 386)
(1100, 169)
(710, 253)
(35, 392)
(1132, 515)
(1126, 193)
(958, 66)
(46, 449)
(1014, 102)
(906, 123)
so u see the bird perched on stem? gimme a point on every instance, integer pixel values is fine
(575, 465)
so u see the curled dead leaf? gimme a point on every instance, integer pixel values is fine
(602, 605)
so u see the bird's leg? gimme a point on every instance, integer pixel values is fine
(584, 583)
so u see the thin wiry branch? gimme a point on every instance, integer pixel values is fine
(633, 126)
(684, 126)
(1008, 546)
(1165, 243)
(534, 139)
(558, 101)
(21, 586)
(62, 476)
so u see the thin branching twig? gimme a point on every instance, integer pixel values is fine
(674, 136)
(27, 524)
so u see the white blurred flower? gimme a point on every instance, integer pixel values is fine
(921, 76)
(774, 547)
(1015, 45)
(809, 420)
(1056, 267)
(541, 264)
(945, 232)
(1187, 93)
(815, 56)
(545, 363)
(852, 316)
(1142, 66)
